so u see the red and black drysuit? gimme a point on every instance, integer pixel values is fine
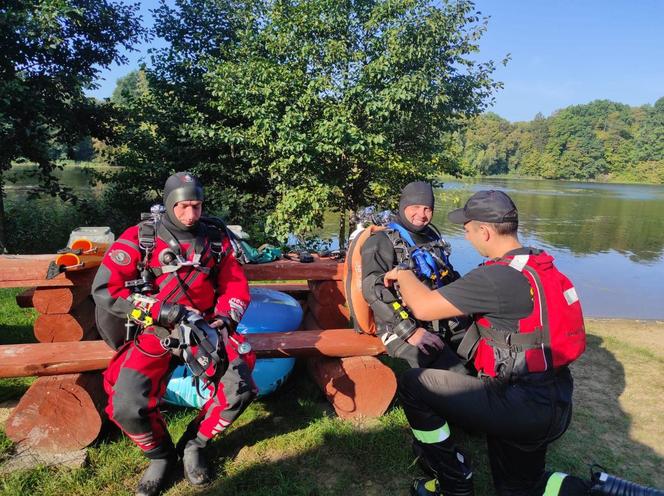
(521, 399)
(136, 378)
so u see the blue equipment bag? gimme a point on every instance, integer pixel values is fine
(269, 311)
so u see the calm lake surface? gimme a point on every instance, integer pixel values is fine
(608, 238)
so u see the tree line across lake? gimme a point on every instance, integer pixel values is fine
(601, 140)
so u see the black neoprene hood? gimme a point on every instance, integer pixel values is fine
(415, 193)
(181, 186)
(486, 206)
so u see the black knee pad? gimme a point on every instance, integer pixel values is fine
(130, 400)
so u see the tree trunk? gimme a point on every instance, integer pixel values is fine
(3, 236)
(342, 228)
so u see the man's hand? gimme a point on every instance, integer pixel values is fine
(223, 321)
(390, 277)
(423, 338)
(216, 324)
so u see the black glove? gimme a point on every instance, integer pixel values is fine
(229, 324)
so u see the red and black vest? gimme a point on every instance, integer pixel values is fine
(552, 336)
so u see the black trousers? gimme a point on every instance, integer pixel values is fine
(519, 419)
(445, 359)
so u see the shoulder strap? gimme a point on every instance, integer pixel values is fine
(403, 232)
(147, 236)
(216, 230)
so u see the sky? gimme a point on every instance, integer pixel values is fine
(561, 53)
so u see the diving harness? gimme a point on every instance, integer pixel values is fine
(182, 332)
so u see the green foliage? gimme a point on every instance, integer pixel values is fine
(50, 52)
(290, 109)
(43, 225)
(130, 87)
(600, 140)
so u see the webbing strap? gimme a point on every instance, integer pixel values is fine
(436, 436)
(516, 341)
(554, 484)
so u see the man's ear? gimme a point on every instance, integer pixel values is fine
(486, 232)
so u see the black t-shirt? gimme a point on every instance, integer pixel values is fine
(498, 292)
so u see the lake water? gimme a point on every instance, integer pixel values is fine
(608, 238)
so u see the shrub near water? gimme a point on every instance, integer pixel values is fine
(43, 225)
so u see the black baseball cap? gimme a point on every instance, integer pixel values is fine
(486, 206)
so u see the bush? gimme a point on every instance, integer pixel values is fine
(43, 225)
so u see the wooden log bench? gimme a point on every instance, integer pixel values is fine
(68, 359)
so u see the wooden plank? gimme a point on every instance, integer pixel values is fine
(321, 269)
(294, 289)
(40, 359)
(25, 271)
(16, 268)
(24, 299)
(18, 271)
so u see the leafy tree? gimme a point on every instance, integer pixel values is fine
(599, 140)
(129, 87)
(488, 148)
(50, 52)
(299, 107)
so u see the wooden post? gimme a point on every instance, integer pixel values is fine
(359, 386)
(60, 413)
(79, 325)
(327, 304)
(59, 299)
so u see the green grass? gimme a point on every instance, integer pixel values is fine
(291, 443)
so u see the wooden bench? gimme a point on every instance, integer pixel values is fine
(69, 356)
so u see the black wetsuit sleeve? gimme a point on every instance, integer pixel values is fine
(378, 257)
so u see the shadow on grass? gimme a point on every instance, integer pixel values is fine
(377, 460)
(16, 334)
(600, 431)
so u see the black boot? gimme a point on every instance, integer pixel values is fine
(160, 473)
(603, 483)
(451, 468)
(425, 487)
(191, 449)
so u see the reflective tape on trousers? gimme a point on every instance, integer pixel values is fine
(554, 483)
(435, 436)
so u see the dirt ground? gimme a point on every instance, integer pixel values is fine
(619, 382)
